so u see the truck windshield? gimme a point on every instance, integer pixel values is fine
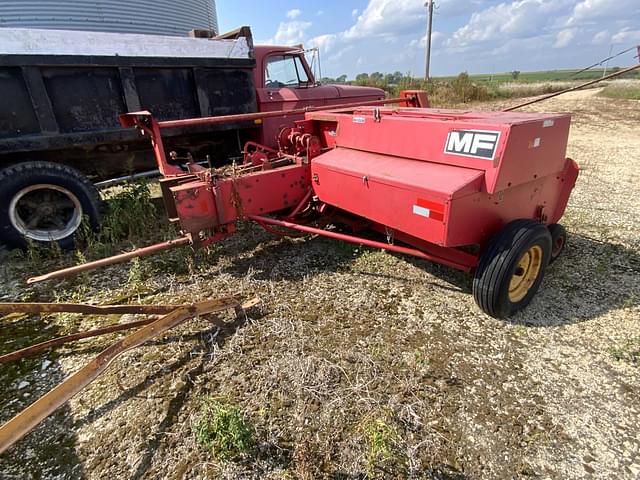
(285, 71)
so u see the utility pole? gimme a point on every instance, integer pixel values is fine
(606, 65)
(429, 5)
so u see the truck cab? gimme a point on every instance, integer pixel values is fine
(284, 81)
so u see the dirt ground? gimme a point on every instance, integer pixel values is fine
(348, 337)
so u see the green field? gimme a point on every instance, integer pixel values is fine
(543, 76)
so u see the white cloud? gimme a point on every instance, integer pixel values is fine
(294, 13)
(564, 38)
(518, 19)
(473, 35)
(386, 17)
(601, 38)
(422, 42)
(324, 42)
(596, 10)
(290, 33)
(626, 35)
(320, 12)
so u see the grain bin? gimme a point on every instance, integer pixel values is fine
(160, 17)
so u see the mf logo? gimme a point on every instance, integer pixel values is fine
(472, 143)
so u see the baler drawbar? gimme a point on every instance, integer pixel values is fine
(481, 192)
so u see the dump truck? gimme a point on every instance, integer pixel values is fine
(63, 91)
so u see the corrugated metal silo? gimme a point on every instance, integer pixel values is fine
(160, 17)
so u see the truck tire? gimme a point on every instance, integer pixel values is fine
(511, 270)
(45, 202)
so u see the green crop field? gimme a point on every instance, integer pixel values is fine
(543, 76)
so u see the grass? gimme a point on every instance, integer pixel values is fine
(543, 76)
(381, 440)
(131, 215)
(628, 89)
(464, 88)
(629, 352)
(223, 430)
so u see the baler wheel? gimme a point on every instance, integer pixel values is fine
(558, 240)
(511, 270)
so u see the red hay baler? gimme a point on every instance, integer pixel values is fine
(482, 192)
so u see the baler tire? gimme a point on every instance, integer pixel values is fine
(558, 240)
(70, 197)
(516, 243)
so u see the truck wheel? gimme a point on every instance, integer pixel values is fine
(45, 202)
(558, 240)
(510, 271)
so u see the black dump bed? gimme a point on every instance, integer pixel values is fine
(61, 92)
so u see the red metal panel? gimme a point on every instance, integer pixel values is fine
(261, 193)
(195, 206)
(535, 149)
(474, 219)
(404, 194)
(423, 134)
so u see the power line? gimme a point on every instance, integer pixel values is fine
(605, 60)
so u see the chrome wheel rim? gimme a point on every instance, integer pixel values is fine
(45, 212)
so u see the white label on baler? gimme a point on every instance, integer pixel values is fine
(358, 119)
(547, 123)
(472, 143)
(423, 212)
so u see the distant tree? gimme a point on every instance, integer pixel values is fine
(341, 79)
(376, 76)
(515, 74)
(325, 80)
(362, 77)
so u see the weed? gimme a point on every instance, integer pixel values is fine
(131, 215)
(421, 359)
(381, 440)
(629, 89)
(135, 279)
(223, 430)
(629, 352)
(520, 330)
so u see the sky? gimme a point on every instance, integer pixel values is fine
(476, 36)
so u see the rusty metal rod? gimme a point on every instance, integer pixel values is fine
(25, 421)
(54, 342)
(6, 308)
(578, 87)
(358, 240)
(123, 257)
(280, 113)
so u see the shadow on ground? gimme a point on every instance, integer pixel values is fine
(592, 277)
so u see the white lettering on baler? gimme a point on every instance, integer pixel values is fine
(472, 143)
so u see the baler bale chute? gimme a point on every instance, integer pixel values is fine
(481, 192)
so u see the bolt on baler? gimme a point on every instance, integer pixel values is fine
(482, 192)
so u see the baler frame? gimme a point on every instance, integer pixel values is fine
(482, 179)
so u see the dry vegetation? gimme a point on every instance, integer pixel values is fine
(358, 363)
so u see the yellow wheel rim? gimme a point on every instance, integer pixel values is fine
(525, 273)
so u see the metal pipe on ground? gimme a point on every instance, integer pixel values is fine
(55, 342)
(6, 308)
(30, 417)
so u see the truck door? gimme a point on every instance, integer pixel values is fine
(288, 84)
